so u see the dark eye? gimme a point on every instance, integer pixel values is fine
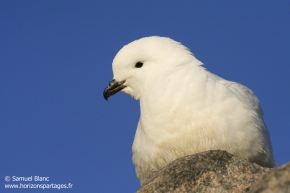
(138, 64)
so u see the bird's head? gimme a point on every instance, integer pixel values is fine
(137, 64)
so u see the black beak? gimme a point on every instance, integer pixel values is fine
(113, 88)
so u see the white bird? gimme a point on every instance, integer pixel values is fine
(185, 109)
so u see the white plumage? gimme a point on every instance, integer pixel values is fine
(185, 109)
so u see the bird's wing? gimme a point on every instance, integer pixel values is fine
(244, 94)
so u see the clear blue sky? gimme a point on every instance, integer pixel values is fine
(55, 61)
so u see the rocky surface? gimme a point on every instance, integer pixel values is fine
(276, 180)
(211, 171)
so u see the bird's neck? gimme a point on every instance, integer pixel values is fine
(171, 92)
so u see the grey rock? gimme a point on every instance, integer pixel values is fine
(276, 180)
(212, 171)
